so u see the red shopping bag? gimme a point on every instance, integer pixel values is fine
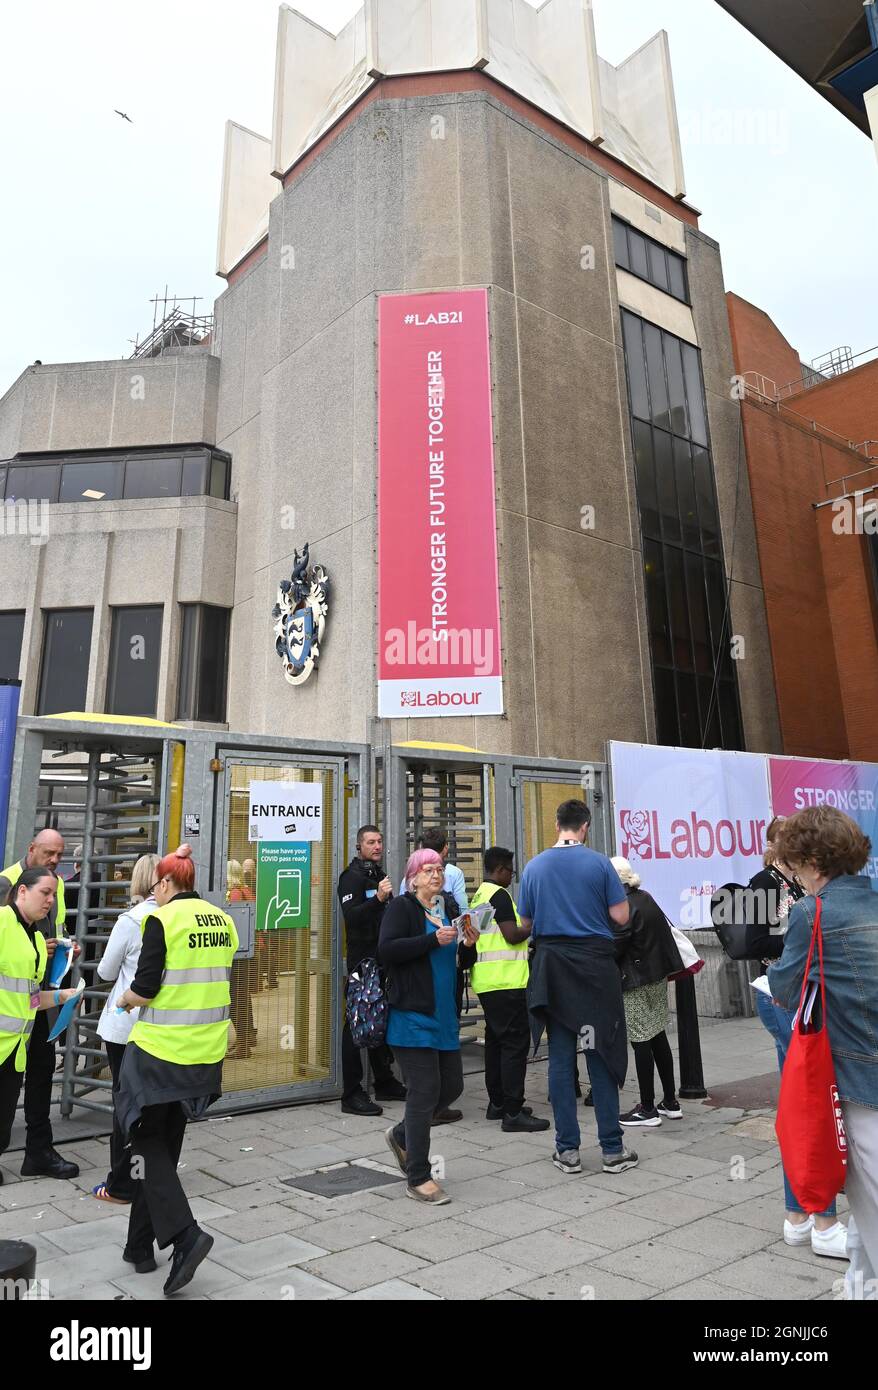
(809, 1125)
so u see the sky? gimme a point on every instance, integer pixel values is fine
(99, 214)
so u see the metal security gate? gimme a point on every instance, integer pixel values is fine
(121, 789)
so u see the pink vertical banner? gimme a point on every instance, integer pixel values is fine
(438, 599)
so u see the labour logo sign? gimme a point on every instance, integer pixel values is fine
(689, 822)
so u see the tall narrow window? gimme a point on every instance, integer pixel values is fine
(66, 652)
(11, 634)
(135, 652)
(204, 658)
(696, 691)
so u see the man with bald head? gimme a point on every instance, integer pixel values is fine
(45, 850)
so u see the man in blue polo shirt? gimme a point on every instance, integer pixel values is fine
(574, 899)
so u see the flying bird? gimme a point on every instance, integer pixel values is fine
(124, 117)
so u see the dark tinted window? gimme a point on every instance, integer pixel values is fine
(219, 476)
(658, 265)
(620, 243)
(11, 634)
(152, 477)
(658, 386)
(194, 476)
(93, 480)
(694, 675)
(639, 254)
(650, 260)
(201, 692)
(33, 482)
(135, 652)
(633, 331)
(66, 651)
(677, 276)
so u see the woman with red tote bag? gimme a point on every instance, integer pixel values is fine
(810, 1128)
(833, 934)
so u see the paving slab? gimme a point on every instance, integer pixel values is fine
(271, 1253)
(584, 1284)
(660, 1264)
(286, 1285)
(437, 1243)
(395, 1291)
(474, 1276)
(364, 1265)
(773, 1276)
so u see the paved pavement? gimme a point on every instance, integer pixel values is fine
(700, 1218)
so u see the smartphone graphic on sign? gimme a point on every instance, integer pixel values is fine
(289, 892)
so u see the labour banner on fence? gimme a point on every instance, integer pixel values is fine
(689, 821)
(438, 601)
(797, 783)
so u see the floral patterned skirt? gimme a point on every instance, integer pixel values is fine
(646, 1011)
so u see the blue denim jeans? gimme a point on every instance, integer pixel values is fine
(563, 1043)
(779, 1023)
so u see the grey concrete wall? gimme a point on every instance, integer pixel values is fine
(748, 621)
(104, 405)
(163, 551)
(387, 207)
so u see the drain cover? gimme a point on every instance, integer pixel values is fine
(341, 1180)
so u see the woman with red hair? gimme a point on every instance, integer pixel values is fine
(172, 1070)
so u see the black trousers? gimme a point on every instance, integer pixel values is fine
(507, 1042)
(658, 1052)
(159, 1211)
(38, 1087)
(381, 1058)
(433, 1080)
(10, 1086)
(119, 1182)
(242, 986)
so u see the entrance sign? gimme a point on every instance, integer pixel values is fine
(438, 599)
(797, 783)
(285, 812)
(283, 886)
(689, 821)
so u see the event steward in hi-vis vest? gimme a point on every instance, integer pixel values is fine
(187, 1022)
(499, 975)
(22, 967)
(23, 1001)
(498, 964)
(173, 1064)
(13, 874)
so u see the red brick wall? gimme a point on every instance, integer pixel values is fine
(759, 345)
(848, 404)
(786, 466)
(849, 591)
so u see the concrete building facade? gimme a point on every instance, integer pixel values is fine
(510, 196)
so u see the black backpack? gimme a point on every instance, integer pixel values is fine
(731, 912)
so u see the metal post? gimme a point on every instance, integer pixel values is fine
(689, 1041)
(82, 923)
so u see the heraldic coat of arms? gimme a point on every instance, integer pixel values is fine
(300, 618)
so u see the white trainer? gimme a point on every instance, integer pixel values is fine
(832, 1243)
(798, 1234)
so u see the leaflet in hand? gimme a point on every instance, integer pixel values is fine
(61, 961)
(761, 983)
(66, 1011)
(479, 918)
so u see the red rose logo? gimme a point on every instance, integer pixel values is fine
(636, 834)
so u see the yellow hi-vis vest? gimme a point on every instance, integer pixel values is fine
(188, 1020)
(498, 965)
(19, 959)
(13, 874)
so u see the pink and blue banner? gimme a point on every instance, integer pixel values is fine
(797, 783)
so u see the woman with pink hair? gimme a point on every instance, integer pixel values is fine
(418, 948)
